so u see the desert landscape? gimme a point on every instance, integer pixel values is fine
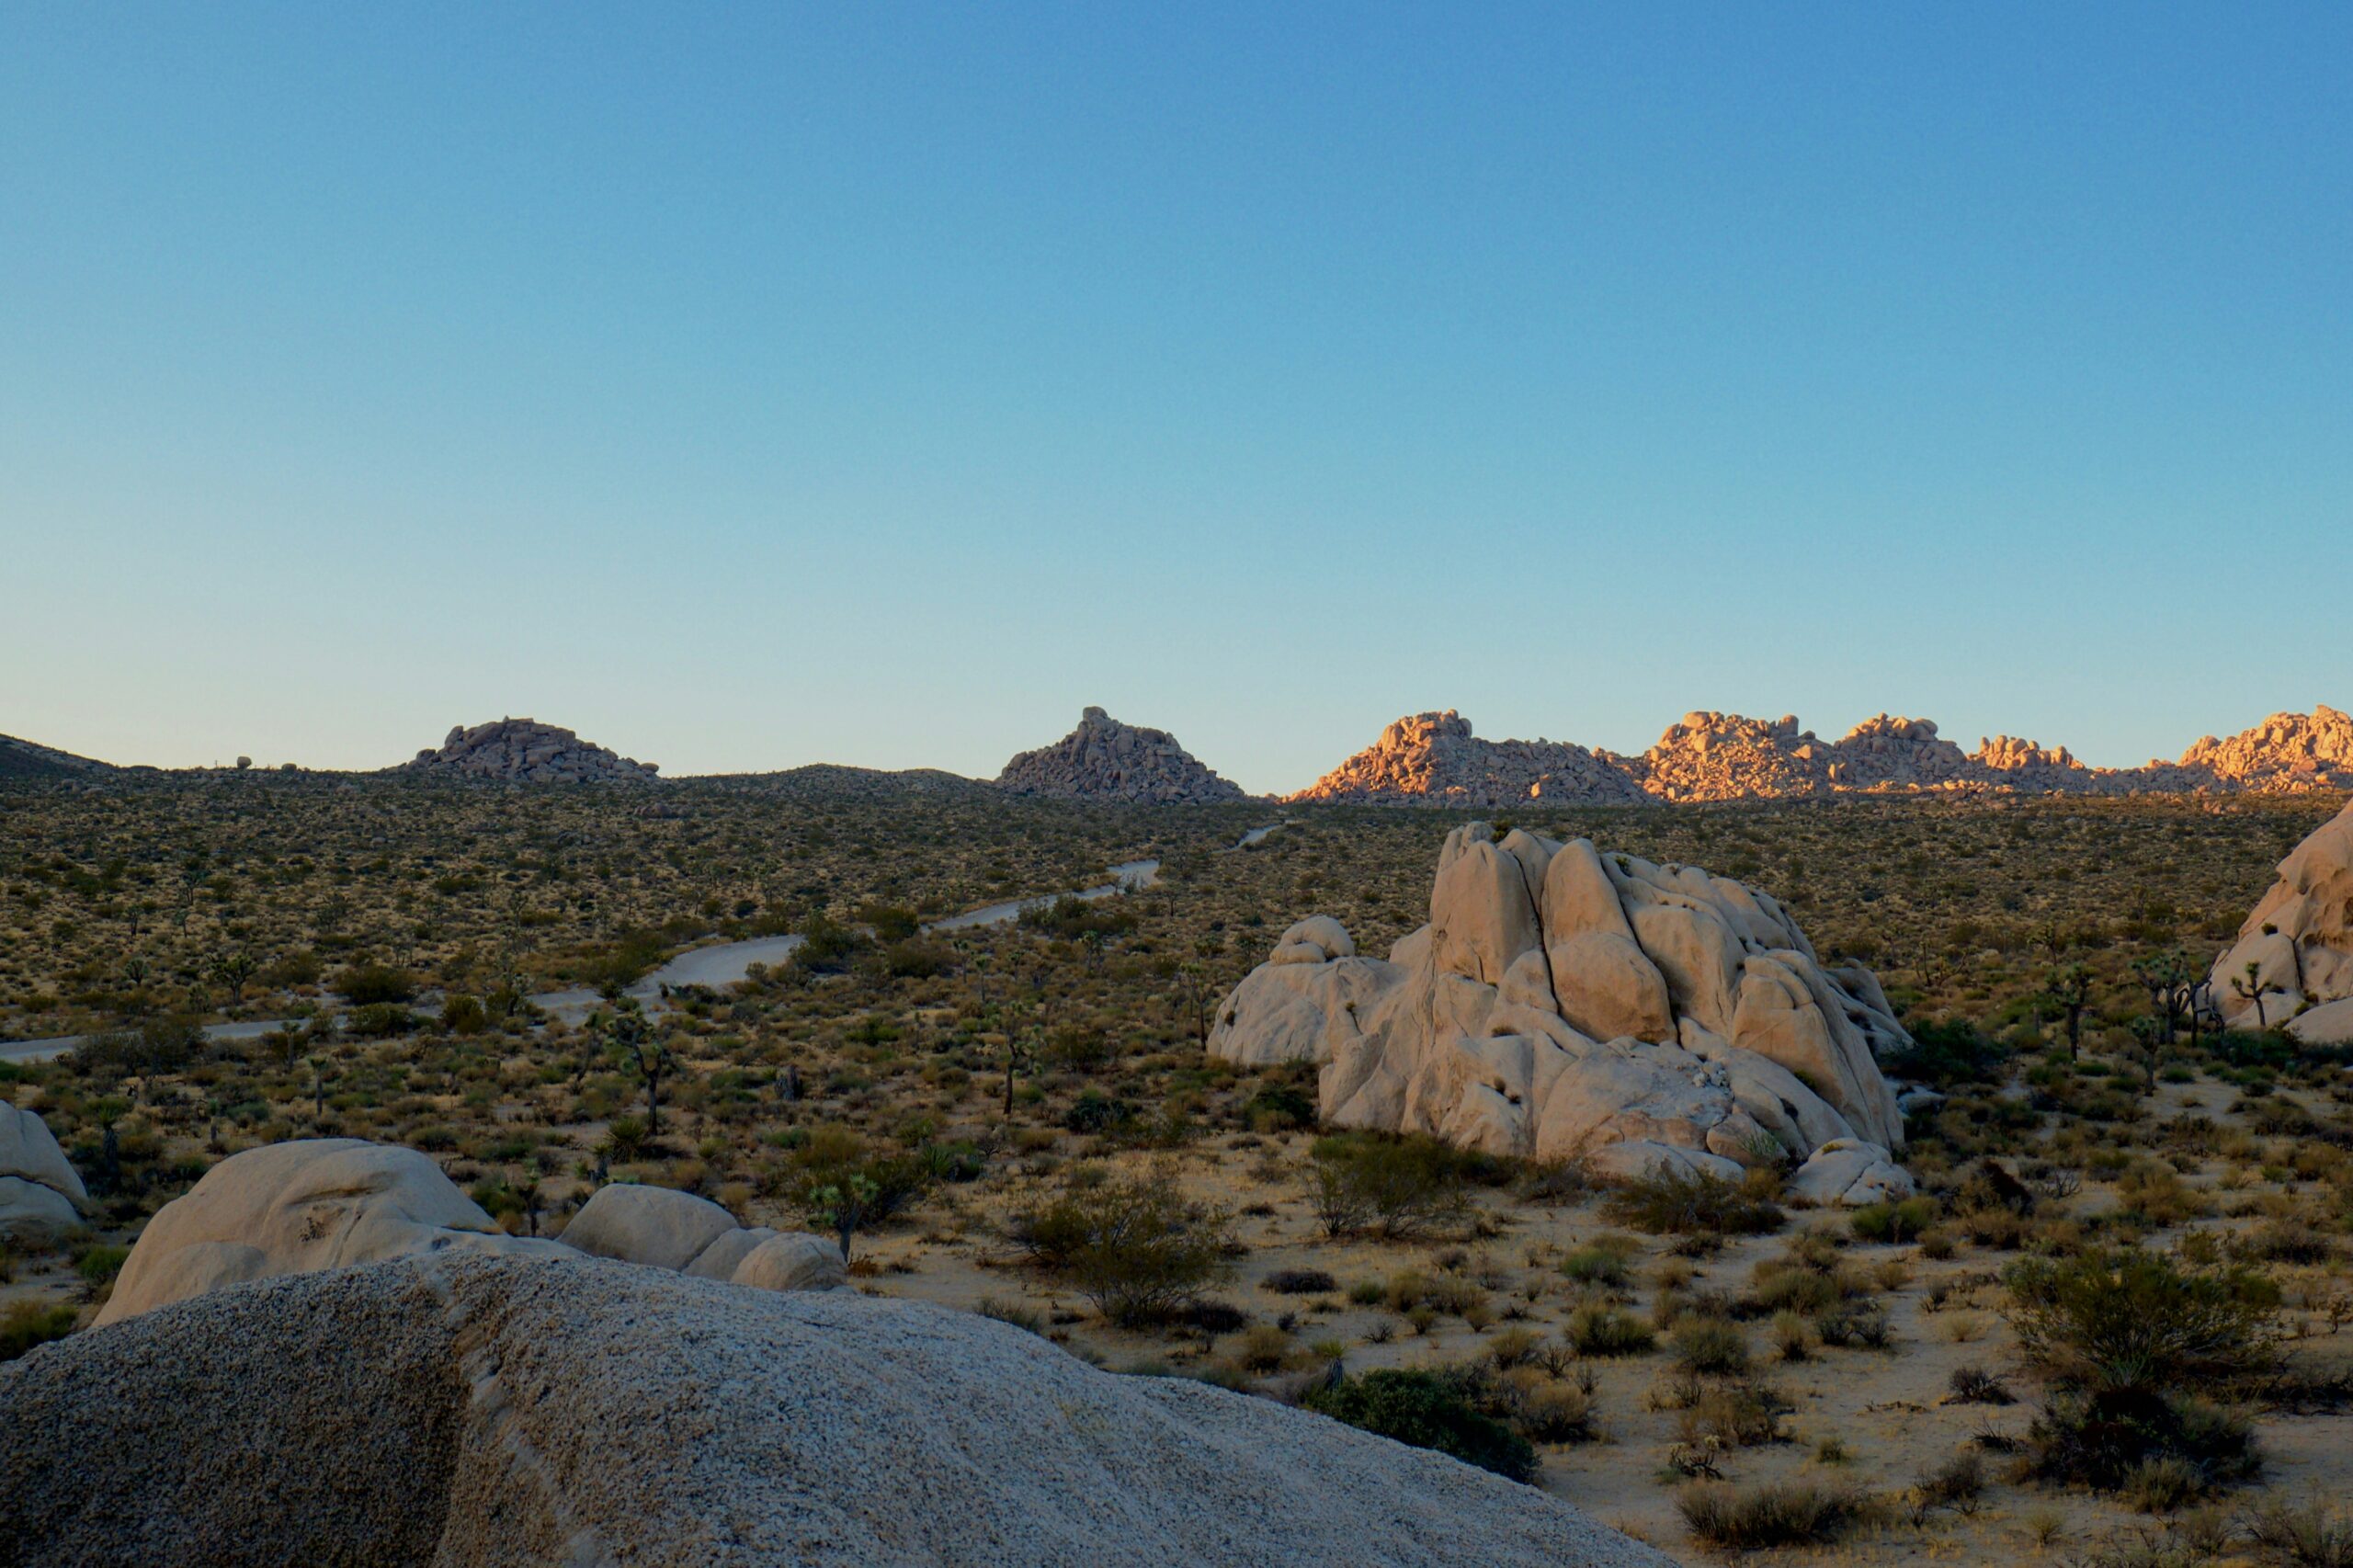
(1840, 1261)
(1021, 786)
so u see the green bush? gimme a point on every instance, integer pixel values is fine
(1394, 1187)
(364, 983)
(1898, 1223)
(1427, 1410)
(1135, 1248)
(28, 1324)
(2124, 1337)
(1949, 1052)
(1670, 1202)
(1607, 1331)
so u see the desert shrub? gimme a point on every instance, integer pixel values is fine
(917, 958)
(1427, 1410)
(464, 1014)
(28, 1324)
(1975, 1385)
(1543, 1408)
(364, 983)
(1787, 1513)
(1948, 1052)
(1898, 1223)
(1279, 1107)
(1018, 1314)
(1710, 1346)
(2300, 1534)
(100, 1264)
(1394, 1187)
(1300, 1282)
(1602, 1261)
(2123, 1336)
(1133, 1247)
(1094, 1111)
(1607, 1331)
(1668, 1202)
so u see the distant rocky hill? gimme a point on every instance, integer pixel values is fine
(1106, 760)
(24, 760)
(523, 751)
(1433, 759)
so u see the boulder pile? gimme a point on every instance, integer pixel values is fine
(476, 1410)
(2293, 959)
(1106, 760)
(41, 1194)
(1567, 1003)
(318, 1203)
(1432, 759)
(524, 751)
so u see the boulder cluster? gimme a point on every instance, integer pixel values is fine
(313, 1204)
(479, 1411)
(1565, 1002)
(40, 1196)
(1434, 759)
(2293, 959)
(524, 751)
(1106, 760)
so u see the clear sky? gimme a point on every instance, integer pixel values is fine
(757, 384)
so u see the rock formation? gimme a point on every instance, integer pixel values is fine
(2298, 941)
(1724, 756)
(2287, 750)
(1563, 1001)
(1106, 760)
(1432, 759)
(41, 1194)
(523, 751)
(300, 1207)
(484, 1412)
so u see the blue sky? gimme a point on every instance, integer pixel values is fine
(752, 385)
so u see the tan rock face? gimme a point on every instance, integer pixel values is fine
(2299, 940)
(523, 751)
(663, 1229)
(1106, 760)
(2287, 750)
(1562, 1000)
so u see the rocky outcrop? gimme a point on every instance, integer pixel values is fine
(1725, 757)
(662, 1228)
(1562, 1001)
(300, 1207)
(524, 751)
(481, 1411)
(40, 1194)
(1432, 759)
(1106, 760)
(2295, 951)
(2286, 752)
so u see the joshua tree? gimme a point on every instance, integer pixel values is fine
(233, 971)
(2250, 987)
(2071, 993)
(649, 1057)
(2166, 977)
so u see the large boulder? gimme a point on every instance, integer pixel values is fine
(313, 1204)
(665, 1229)
(1562, 1001)
(296, 1208)
(40, 1194)
(482, 1411)
(2298, 941)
